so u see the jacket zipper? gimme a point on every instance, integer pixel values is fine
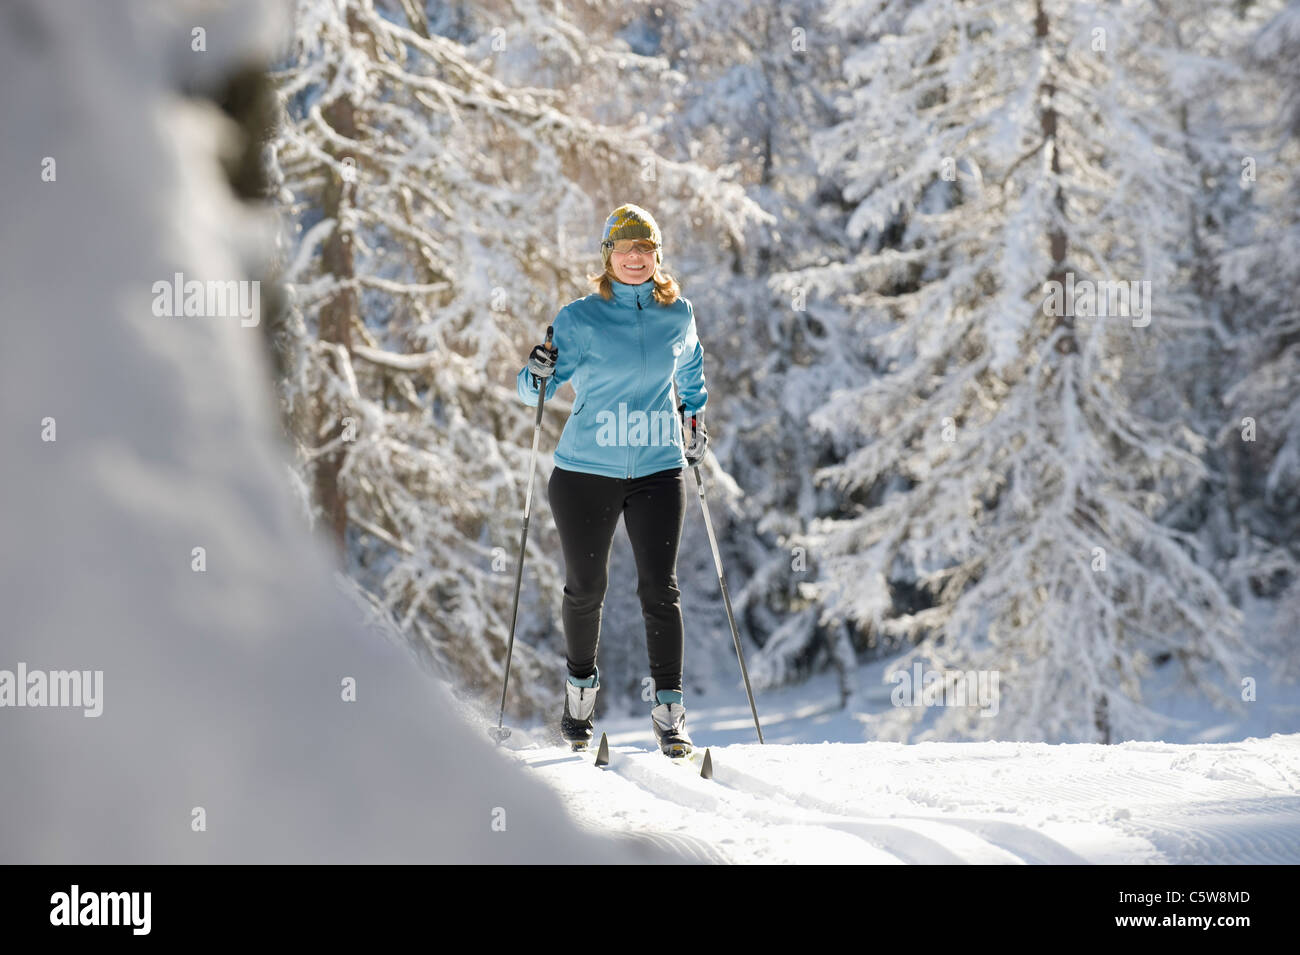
(631, 450)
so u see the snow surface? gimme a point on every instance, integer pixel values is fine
(803, 797)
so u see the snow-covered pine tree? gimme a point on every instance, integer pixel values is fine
(1212, 100)
(1002, 157)
(446, 194)
(1262, 409)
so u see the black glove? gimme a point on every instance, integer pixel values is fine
(695, 437)
(541, 363)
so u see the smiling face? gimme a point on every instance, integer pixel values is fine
(633, 268)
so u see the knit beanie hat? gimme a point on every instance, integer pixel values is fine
(629, 221)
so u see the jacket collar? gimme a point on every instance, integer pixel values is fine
(630, 295)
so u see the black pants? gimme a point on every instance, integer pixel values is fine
(586, 509)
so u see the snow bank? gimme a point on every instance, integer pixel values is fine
(224, 735)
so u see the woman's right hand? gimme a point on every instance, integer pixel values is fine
(541, 363)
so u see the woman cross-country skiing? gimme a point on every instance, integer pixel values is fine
(623, 452)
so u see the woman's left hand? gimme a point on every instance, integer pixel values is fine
(695, 437)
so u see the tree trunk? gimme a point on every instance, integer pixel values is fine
(336, 324)
(1056, 237)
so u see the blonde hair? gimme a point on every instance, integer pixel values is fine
(666, 290)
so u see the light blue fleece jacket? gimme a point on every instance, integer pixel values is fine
(623, 356)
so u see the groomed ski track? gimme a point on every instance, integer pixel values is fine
(980, 803)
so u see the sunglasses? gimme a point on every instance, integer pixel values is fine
(623, 246)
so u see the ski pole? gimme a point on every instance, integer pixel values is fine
(500, 732)
(726, 597)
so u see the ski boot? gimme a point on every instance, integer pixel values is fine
(669, 720)
(579, 708)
